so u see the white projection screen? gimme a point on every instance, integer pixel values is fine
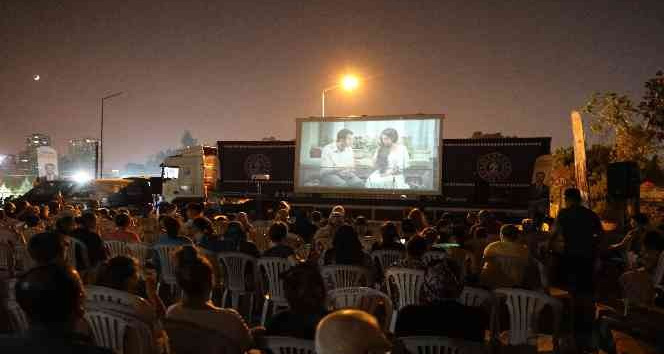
(369, 155)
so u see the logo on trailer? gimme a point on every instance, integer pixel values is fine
(494, 167)
(256, 164)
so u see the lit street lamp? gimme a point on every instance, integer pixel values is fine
(101, 138)
(348, 83)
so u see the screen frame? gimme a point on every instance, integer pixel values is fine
(335, 190)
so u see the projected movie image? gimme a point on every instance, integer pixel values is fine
(369, 155)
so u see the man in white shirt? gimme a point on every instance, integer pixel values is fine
(337, 162)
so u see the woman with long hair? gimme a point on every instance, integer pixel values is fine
(390, 161)
(347, 249)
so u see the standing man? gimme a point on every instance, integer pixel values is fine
(338, 163)
(580, 231)
(539, 198)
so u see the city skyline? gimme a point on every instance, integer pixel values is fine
(247, 70)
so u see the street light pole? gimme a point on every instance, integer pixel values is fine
(348, 83)
(101, 137)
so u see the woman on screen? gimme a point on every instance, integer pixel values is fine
(391, 160)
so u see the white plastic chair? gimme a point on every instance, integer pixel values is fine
(440, 345)
(404, 286)
(109, 328)
(407, 284)
(367, 299)
(386, 258)
(167, 268)
(139, 251)
(345, 276)
(262, 240)
(271, 268)
(524, 308)
(117, 248)
(475, 297)
(433, 255)
(288, 345)
(235, 267)
(19, 321)
(111, 312)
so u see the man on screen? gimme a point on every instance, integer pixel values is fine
(337, 162)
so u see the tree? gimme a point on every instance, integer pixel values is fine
(652, 105)
(187, 139)
(634, 130)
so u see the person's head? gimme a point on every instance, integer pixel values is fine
(243, 218)
(194, 210)
(235, 232)
(104, 213)
(509, 232)
(193, 275)
(50, 168)
(361, 225)
(284, 205)
(119, 273)
(350, 331)
(416, 247)
(408, 228)
(480, 233)
(166, 208)
(170, 226)
(638, 220)
(10, 209)
(202, 227)
(389, 233)
(339, 209)
(32, 220)
(48, 247)
(348, 248)
(278, 232)
(388, 137)
(304, 288)
(122, 221)
(65, 225)
(539, 178)
(52, 296)
(344, 138)
(316, 216)
(419, 219)
(572, 197)
(87, 221)
(442, 282)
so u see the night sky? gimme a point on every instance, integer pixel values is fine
(246, 69)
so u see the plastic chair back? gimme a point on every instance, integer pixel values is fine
(407, 284)
(345, 276)
(369, 300)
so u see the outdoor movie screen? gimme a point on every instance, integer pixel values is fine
(369, 155)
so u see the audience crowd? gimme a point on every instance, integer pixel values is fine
(62, 265)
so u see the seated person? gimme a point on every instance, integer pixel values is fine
(305, 291)
(325, 235)
(415, 249)
(195, 277)
(87, 234)
(170, 227)
(48, 248)
(122, 231)
(347, 249)
(389, 238)
(203, 234)
(441, 289)
(52, 298)
(476, 246)
(337, 165)
(235, 240)
(350, 331)
(408, 229)
(493, 275)
(121, 273)
(278, 232)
